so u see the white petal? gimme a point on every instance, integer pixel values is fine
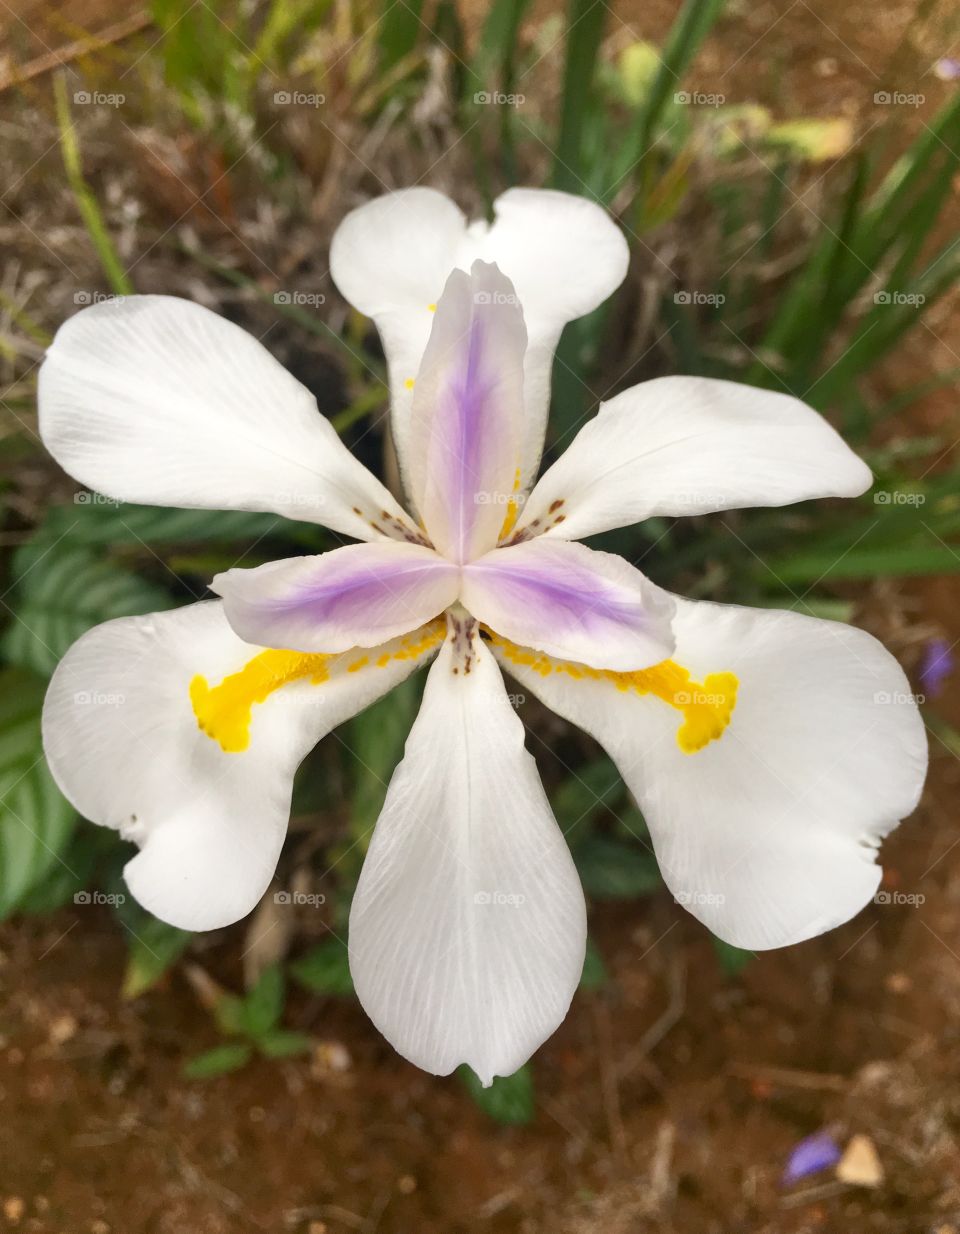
(768, 834)
(571, 601)
(391, 258)
(155, 399)
(355, 596)
(467, 413)
(468, 928)
(692, 445)
(123, 742)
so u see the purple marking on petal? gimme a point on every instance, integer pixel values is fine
(812, 1155)
(347, 594)
(574, 599)
(936, 666)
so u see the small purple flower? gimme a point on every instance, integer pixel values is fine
(815, 1153)
(947, 69)
(937, 665)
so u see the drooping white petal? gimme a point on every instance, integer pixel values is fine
(354, 596)
(768, 833)
(467, 413)
(467, 930)
(158, 400)
(691, 445)
(571, 601)
(391, 258)
(123, 740)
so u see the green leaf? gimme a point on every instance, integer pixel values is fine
(152, 950)
(221, 1060)
(97, 520)
(64, 590)
(508, 1100)
(35, 820)
(615, 870)
(263, 1006)
(324, 969)
(732, 959)
(284, 1043)
(594, 975)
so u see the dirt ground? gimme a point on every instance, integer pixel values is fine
(670, 1099)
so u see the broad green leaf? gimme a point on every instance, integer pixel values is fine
(152, 950)
(612, 869)
(221, 1060)
(324, 969)
(64, 590)
(284, 1043)
(263, 1006)
(508, 1100)
(36, 821)
(732, 959)
(594, 975)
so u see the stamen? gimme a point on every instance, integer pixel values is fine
(707, 706)
(224, 711)
(513, 508)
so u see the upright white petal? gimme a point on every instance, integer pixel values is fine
(158, 400)
(391, 258)
(768, 833)
(691, 445)
(468, 413)
(122, 736)
(468, 928)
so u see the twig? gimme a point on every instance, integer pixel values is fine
(73, 51)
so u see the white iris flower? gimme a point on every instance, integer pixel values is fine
(762, 746)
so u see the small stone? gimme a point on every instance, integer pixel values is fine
(62, 1029)
(13, 1209)
(860, 1166)
(406, 1184)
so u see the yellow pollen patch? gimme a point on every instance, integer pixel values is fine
(409, 383)
(706, 706)
(432, 308)
(513, 509)
(224, 712)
